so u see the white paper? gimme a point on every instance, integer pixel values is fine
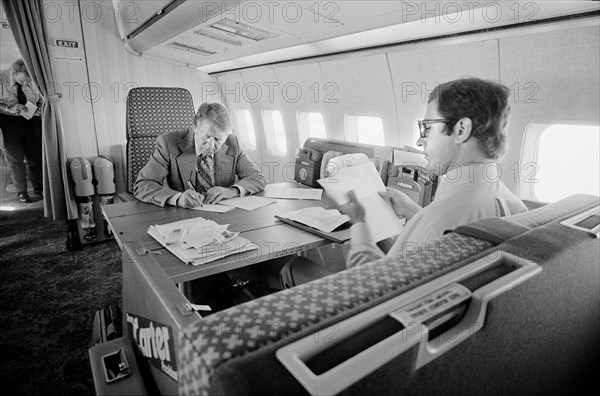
(247, 203)
(214, 208)
(294, 193)
(31, 108)
(366, 183)
(319, 218)
(199, 244)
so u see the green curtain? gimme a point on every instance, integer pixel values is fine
(26, 19)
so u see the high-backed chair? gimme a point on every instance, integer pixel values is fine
(152, 111)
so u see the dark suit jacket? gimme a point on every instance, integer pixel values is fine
(174, 160)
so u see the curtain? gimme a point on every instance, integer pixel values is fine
(26, 21)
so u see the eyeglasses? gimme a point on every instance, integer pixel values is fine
(423, 125)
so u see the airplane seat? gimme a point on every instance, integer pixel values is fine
(235, 348)
(243, 349)
(152, 111)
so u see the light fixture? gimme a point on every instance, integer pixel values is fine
(190, 49)
(242, 30)
(225, 40)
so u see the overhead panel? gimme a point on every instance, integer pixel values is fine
(215, 36)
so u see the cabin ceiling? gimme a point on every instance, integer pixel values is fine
(222, 35)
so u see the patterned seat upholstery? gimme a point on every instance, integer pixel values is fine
(233, 351)
(267, 323)
(152, 111)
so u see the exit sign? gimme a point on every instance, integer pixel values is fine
(67, 43)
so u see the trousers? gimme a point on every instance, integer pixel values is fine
(22, 139)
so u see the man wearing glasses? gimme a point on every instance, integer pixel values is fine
(463, 135)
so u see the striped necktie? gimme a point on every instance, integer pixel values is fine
(206, 173)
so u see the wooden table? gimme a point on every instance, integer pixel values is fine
(130, 222)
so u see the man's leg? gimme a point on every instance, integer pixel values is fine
(301, 270)
(13, 140)
(33, 152)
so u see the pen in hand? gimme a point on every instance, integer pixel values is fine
(190, 185)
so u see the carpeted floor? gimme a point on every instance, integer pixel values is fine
(48, 299)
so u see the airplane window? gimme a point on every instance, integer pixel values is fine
(246, 128)
(368, 130)
(275, 132)
(310, 125)
(577, 171)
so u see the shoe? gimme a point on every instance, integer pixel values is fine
(73, 243)
(24, 197)
(38, 192)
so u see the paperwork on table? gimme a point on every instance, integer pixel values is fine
(247, 203)
(322, 219)
(199, 241)
(273, 191)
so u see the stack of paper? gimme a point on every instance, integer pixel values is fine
(199, 241)
(31, 108)
(319, 218)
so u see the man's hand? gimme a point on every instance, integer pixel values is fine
(16, 109)
(403, 206)
(217, 194)
(353, 208)
(189, 199)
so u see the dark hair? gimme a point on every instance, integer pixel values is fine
(18, 66)
(215, 112)
(484, 102)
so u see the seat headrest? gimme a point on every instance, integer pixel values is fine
(495, 230)
(152, 111)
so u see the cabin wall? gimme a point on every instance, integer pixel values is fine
(95, 78)
(552, 72)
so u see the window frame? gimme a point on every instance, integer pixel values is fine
(242, 126)
(530, 152)
(304, 126)
(351, 128)
(269, 132)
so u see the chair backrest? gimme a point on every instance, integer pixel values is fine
(241, 347)
(152, 111)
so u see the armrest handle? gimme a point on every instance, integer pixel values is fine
(413, 309)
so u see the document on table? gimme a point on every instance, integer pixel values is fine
(214, 208)
(325, 220)
(31, 108)
(199, 241)
(293, 193)
(364, 179)
(247, 203)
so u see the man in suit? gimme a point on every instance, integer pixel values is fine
(203, 164)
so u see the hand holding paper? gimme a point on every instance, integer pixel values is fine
(364, 180)
(30, 109)
(353, 208)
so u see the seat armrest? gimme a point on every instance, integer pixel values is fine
(126, 197)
